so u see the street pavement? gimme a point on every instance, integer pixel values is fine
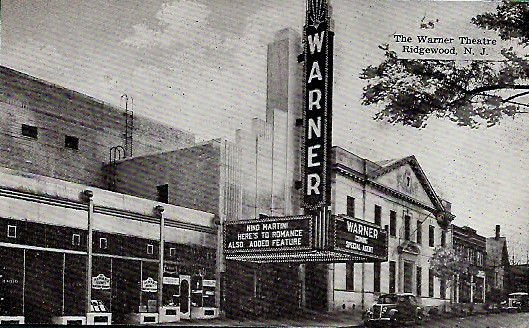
(333, 319)
(500, 320)
(353, 319)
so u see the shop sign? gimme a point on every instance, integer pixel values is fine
(360, 237)
(317, 112)
(170, 268)
(171, 281)
(268, 235)
(100, 282)
(149, 285)
(208, 283)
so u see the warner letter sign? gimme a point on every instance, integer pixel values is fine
(317, 105)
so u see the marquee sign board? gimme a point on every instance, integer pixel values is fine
(272, 234)
(360, 237)
(317, 113)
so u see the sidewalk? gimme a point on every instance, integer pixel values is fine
(332, 319)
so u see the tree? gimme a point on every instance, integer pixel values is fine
(447, 265)
(469, 93)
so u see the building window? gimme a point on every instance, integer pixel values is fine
(163, 193)
(172, 252)
(11, 231)
(350, 206)
(393, 223)
(376, 280)
(443, 288)
(472, 256)
(419, 281)
(430, 283)
(71, 142)
(76, 239)
(392, 276)
(30, 131)
(408, 277)
(431, 236)
(480, 259)
(150, 249)
(378, 215)
(407, 227)
(443, 238)
(103, 244)
(419, 232)
(349, 276)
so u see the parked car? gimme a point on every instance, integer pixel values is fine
(394, 310)
(517, 302)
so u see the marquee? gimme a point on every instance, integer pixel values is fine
(290, 239)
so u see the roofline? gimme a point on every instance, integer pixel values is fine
(57, 86)
(359, 177)
(414, 163)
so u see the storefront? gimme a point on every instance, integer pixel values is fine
(43, 265)
(42, 282)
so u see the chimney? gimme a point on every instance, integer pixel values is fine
(497, 232)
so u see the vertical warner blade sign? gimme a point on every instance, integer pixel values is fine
(317, 113)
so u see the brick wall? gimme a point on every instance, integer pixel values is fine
(193, 176)
(57, 112)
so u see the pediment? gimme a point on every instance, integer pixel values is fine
(407, 177)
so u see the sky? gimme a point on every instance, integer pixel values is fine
(202, 63)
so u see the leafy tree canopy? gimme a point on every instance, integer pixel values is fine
(446, 264)
(468, 93)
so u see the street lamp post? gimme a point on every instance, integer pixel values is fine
(87, 195)
(159, 211)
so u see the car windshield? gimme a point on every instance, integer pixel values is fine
(387, 299)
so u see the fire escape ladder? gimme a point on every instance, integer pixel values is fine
(115, 154)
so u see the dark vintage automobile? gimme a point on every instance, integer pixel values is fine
(517, 302)
(394, 310)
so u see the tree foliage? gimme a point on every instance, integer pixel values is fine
(446, 264)
(469, 93)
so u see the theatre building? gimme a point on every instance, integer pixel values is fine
(56, 146)
(345, 265)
